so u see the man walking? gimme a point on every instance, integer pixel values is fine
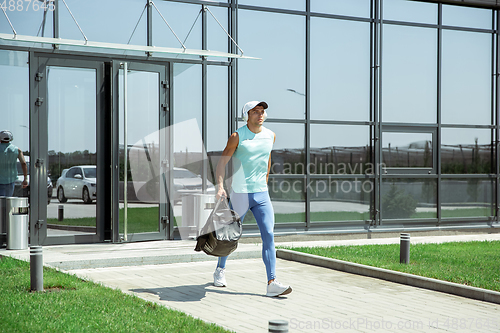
(9, 154)
(250, 146)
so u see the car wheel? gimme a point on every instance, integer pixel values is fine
(60, 195)
(86, 196)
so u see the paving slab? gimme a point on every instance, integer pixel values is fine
(323, 300)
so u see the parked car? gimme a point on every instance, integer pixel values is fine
(19, 191)
(78, 182)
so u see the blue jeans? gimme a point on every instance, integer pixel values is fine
(7, 190)
(262, 209)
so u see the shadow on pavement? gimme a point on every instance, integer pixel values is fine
(189, 293)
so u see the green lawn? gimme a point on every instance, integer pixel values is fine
(474, 264)
(70, 304)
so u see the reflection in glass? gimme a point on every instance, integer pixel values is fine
(277, 80)
(407, 150)
(288, 198)
(359, 8)
(281, 4)
(409, 198)
(467, 17)
(143, 187)
(410, 11)
(340, 199)
(340, 149)
(340, 70)
(14, 96)
(466, 78)
(187, 107)
(466, 150)
(14, 109)
(288, 154)
(467, 197)
(188, 148)
(217, 116)
(72, 147)
(409, 78)
(104, 21)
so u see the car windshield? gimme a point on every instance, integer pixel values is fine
(90, 172)
(184, 174)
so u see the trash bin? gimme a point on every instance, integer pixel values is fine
(17, 223)
(196, 209)
(3, 227)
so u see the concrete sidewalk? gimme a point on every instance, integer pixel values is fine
(323, 300)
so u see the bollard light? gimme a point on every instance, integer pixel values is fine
(278, 326)
(36, 268)
(404, 249)
(60, 213)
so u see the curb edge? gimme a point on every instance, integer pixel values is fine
(392, 276)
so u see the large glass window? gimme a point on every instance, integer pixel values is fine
(14, 96)
(467, 17)
(281, 4)
(217, 39)
(467, 197)
(72, 146)
(410, 11)
(279, 77)
(184, 21)
(187, 102)
(143, 144)
(104, 21)
(466, 78)
(409, 198)
(288, 197)
(288, 155)
(407, 150)
(359, 8)
(340, 149)
(340, 199)
(217, 116)
(340, 70)
(466, 150)
(187, 144)
(409, 75)
(27, 18)
(14, 107)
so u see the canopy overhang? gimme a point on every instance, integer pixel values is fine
(121, 47)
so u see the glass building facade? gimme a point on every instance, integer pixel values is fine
(385, 112)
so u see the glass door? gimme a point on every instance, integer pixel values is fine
(142, 118)
(66, 159)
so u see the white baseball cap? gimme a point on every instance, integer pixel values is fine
(6, 136)
(249, 106)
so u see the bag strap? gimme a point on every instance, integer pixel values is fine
(223, 201)
(217, 204)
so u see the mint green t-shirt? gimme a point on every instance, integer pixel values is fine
(251, 159)
(8, 163)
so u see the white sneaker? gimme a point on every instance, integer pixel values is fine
(277, 289)
(219, 277)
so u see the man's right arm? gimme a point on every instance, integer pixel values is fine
(227, 153)
(24, 166)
